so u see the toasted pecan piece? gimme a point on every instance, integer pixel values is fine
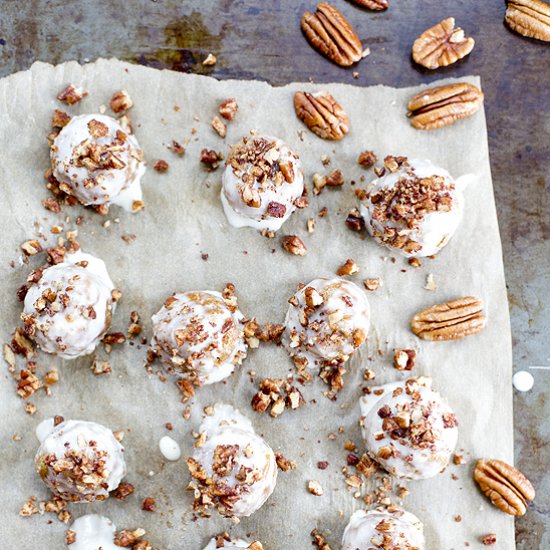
(441, 45)
(374, 5)
(328, 31)
(529, 18)
(505, 486)
(450, 321)
(322, 114)
(443, 105)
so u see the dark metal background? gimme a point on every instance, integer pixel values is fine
(261, 39)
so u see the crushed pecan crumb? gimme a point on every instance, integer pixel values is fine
(228, 108)
(219, 127)
(315, 488)
(319, 540)
(348, 268)
(283, 463)
(71, 94)
(404, 359)
(489, 540)
(123, 491)
(121, 101)
(279, 394)
(294, 245)
(367, 159)
(161, 166)
(148, 504)
(211, 159)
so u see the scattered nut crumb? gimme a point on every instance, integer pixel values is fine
(121, 101)
(211, 159)
(315, 488)
(348, 268)
(219, 127)
(100, 367)
(71, 94)
(372, 284)
(404, 359)
(123, 491)
(228, 108)
(355, 221)
(161, 166)
(489, 540)
(319, 540)
(283, 463)
(148, 504)
(294, 245)
(31, 247)
(177, 148)
(210, 60)
(430, 282)
(367, 159)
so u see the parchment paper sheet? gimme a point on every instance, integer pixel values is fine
(183, 218)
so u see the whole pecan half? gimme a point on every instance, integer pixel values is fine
(441, 45)
(329, 32)
(451, 320)
(505, 486)
(322, 114)
(530, 18)
(443, 105)
(374, 5)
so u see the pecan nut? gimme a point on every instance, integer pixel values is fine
(444, 105)
(450, 321)
(505, 486)
(322, 114)
(294, 245)
(374, 5)
(329, 32)
(529, 18)
(441, 45)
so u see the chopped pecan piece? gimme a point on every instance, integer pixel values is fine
(529, 18)
(334, 179)
(31, 247)
(441, 45)
(372, 284)
(228, 108)
(367, 159)
(161, 166)
(348, 268)
(505, 486)
(71, 94)
(374, 5)
(123, 491)
(322, 114)
(355, 221)
(294, 245)
(319, 540)
(219, 127)
(315, 488)
(121, 101)
(328, 31)
(489, 540)
(403, 359)
(276, 209)
(177, 148)
(443, 105)
(210, 60)
(60, 119)
(211, 159)
(451, 320)
(148, 504)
